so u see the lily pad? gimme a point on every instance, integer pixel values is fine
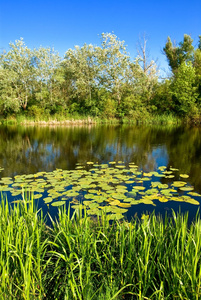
(193, 201)
(147, 174)
(174, 169)
(138, 187)
(162, 199)
(115, 202)
(47, 199)
(37, 196)
(184, 175)
(179, 183)
(186, 189)
(58, 203)
(124, 204)
(194, 194)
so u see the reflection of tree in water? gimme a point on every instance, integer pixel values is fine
(32, 149)
(184, 149)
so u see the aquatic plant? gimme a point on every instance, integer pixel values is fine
(113, 187)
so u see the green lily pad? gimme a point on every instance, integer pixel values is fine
(125, 205)
(179, 183)
(118, 196)
(163, 199)
(93, 205)
(162, 168)
(94, 211)
(145, 179)
(177, 199)
(184, 175)
(167, 172)
(58, 203)
(131, 194)
(170, 176)
(138, 187)
(37, 196)
(152, 191)
(77, 206)
(174, 169)
(87, 203)
(147, 174)
(193, 201)
(47, 199)
(159, 175)
(114, 216)
(16, 193)
(115, 202)
(194, 194)
(186, 189)
(146, 200)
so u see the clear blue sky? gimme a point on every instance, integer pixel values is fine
(62, 24)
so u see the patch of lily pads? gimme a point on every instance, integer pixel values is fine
(112, 187)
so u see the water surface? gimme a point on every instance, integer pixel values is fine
(27, 150)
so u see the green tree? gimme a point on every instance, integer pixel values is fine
(197, 66)
(178, 54)
(183, 89)
(162, 99)
(81, 67)
(142, 81)
(46, 68)
(18, 64)
(114, 63)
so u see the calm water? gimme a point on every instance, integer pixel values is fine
(27, 150)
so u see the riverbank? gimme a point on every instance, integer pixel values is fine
(82, 258)
(80, 120)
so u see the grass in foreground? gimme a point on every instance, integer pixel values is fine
(81, 258)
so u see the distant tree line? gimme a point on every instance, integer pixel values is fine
(100, 80)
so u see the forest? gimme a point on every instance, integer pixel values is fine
(100, 81)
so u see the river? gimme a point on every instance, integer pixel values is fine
(32, 149)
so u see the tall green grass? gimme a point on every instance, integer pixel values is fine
(67, 118)
(82, 258)
(22, 251)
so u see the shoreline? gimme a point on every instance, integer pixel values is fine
(88, 120)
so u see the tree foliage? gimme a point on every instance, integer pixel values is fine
(100, 80)
(179, 54)
(183, 88)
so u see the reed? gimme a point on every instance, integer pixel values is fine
(83, 258)
(23, 247)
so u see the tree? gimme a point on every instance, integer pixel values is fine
(162, 99)
(176, 55)
(47, 64)
(8, 95)
(81, 66)
(143, 75)
(19, 64)
(148, 66)
(183, 89)
(199, 42)
(114, 63)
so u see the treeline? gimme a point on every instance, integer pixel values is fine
(100, 81)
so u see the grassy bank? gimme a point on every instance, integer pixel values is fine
(86, 120)
(81, 258)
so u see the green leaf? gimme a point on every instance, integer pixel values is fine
(186, 189)
(184, 175)
(58, 203)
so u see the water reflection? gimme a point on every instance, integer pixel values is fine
(27, 150)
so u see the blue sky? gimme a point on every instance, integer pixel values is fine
(63, 24)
